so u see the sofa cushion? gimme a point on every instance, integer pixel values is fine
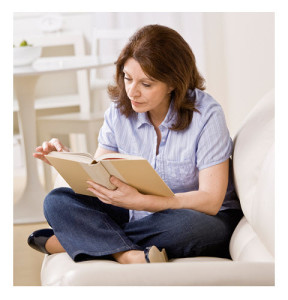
(60, 269)
(245, 245)
(253, 163)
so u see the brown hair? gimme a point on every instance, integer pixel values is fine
(165, 56)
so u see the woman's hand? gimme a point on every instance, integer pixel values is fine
(124, 196)
(53, 145)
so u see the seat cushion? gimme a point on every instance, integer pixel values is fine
(60, 269)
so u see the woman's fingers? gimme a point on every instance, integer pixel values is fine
(39, 149)
(46, 147)
(56, 144)
(42, 157)
(53, 145)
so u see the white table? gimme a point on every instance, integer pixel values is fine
(29, 208)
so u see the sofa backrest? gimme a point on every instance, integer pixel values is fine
(253, 164)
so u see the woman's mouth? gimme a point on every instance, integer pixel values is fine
(134, 103)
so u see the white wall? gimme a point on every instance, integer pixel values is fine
(240, 61)
(234, 51)
(250, 61)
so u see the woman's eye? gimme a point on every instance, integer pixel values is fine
(126, 78)
(146, 84)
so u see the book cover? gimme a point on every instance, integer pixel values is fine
(77, 168)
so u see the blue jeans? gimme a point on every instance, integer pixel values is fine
(88, 228)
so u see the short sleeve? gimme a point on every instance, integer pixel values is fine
(214, 144)
(106, 138)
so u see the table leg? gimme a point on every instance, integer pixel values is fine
(29, 208)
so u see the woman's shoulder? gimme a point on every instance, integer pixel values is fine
(205, 104)
(207, 107)
(204, 101)
(112, 112)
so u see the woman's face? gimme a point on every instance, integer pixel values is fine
(146, 94)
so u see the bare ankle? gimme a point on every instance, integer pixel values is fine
(130, 257)
(53, 245)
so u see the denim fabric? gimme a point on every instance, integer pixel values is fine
(89, 229)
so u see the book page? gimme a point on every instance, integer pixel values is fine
(74, 156)
(99, 174)
(117, 156)
(77, 173)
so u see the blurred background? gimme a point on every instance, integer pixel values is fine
(234, 53)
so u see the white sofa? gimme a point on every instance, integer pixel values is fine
(252, 243)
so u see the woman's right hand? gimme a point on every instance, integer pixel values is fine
(53, 145)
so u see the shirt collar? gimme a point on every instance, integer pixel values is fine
(170, 118)
(142, 118)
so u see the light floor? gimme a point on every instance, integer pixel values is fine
(26, 261)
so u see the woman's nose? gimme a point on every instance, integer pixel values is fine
(133, 91)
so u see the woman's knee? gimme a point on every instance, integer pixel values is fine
(168, 227)
(184, 221)
(57, 198)
(189, 232)
(184, 225)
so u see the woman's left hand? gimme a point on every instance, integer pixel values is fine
(123, 196)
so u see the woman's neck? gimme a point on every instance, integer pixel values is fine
(157, 117)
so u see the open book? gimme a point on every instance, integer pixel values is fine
(77, 168)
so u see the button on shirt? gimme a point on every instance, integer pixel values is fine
(182, 154)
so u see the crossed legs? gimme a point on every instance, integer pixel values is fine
(86, 228)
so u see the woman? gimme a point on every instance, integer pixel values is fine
(160, 112)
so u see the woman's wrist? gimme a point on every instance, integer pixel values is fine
(157, 203)
(174, 202)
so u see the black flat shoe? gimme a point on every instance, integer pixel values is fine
(38, 239)
(154, 255)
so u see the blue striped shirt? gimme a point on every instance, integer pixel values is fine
(182, 154)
